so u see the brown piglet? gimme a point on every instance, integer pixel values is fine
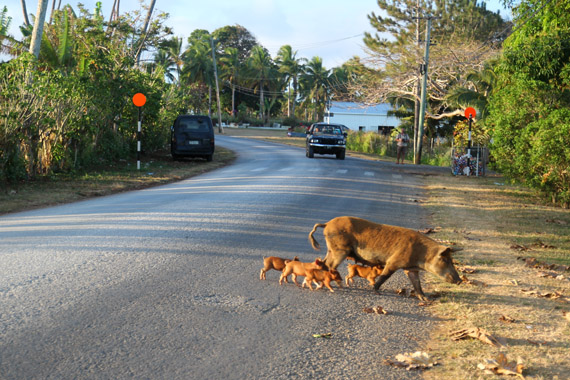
(369, 273)
(274, 262)
(322, 277)
(297, 268)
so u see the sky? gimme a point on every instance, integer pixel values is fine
(330, 29)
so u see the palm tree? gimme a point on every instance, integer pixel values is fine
(162, 60)
(260, 66)
(475, 90)
(170, 56)
(25, 12)
(315, 83)
(198, 65)
(292, 68)
(230, 67)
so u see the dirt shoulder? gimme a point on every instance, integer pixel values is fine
(524, 304)
(156, 169)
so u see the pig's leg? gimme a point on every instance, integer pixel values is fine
(414, 277)
(386, 273)
(334, 258)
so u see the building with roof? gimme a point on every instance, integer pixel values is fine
(362, 117)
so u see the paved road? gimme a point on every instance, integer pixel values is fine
(164, 283)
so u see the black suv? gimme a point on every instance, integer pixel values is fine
(192, 136)
(325, 138)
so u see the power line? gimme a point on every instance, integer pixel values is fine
(311, 45)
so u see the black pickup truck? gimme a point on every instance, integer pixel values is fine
(325, 138)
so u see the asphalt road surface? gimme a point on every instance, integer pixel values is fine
(164, 283)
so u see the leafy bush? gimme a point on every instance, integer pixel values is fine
(371, 142)
(291, 121)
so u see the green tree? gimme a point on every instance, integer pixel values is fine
(260, 68)
(236, 37)
(230, 65)
(292, 67)
(198, 65)
(459, 28)
(315, 85)
(529, 107)
(475, 90)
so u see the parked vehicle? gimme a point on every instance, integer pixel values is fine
(323, 138)
(192, 136)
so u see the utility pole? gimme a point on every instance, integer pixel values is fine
(418, 156)
(220, 128)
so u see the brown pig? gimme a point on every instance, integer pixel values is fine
(390, 246)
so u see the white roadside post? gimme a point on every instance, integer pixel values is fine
(139, 100)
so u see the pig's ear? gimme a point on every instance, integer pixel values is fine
(318, 261)
(445, 253)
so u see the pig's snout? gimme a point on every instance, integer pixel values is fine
(453, 278)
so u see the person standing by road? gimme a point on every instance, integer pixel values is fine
(402, 140)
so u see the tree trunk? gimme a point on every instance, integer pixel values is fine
(210, 101)
(51, 14)
(295, 84)
(234, 113)
(144, 30)
(115, 11)
(26, 20)
(261, 101)
(38, 28)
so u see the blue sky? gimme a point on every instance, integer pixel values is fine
(330, 29)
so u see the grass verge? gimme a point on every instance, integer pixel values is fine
(156, 169)
(523, 306)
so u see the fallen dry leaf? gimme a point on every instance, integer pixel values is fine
(519, 247)
(477, 333)
(554, 275)
(550, 295)
(506, 318)
(375, 309)
(557, 221)
(472, 282)
(567, 316)
(534, 263)
(540, 244)
(514, 282)
(501, 366)
(468, 270)
(429, 230)
(406, 292)
(416, 360)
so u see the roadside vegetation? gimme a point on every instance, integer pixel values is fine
(65, 96)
